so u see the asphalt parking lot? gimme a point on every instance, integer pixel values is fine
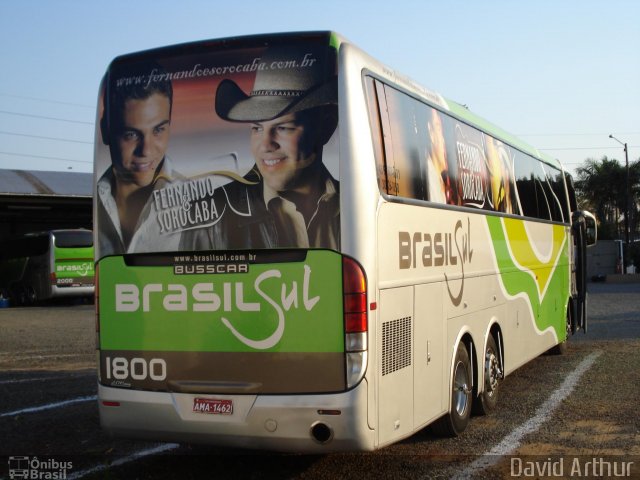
(557, 412)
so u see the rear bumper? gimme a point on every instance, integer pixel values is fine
(272, 422)
(57, 292)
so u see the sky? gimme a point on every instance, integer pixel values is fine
(561, 74)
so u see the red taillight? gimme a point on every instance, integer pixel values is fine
(355, 302)
(355, 322)
(353, 279)
(354, 288)
(96, 299)
(354, 285)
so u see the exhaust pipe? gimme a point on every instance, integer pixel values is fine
(321, 433)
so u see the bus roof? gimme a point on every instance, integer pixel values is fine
(332, 38)
(336, 40)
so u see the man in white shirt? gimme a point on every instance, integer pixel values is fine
(136, 126)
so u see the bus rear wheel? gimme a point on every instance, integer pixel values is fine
(562, 347)
(456, 421)
(487, 401)
(30, 295)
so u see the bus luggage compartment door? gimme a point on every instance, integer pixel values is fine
(395, 409)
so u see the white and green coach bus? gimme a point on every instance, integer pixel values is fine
(47, 265)
(300, 249)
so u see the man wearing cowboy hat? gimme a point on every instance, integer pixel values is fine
(289, 198)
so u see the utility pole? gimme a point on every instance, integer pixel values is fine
(628, 195)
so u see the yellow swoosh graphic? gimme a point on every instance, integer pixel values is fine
(528, 257)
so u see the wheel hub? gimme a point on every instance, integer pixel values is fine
(493, 374)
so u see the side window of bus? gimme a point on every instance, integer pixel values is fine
(413, 145)
(526, 185)
(571, 192)
(553, 202)
(542, 199)
(374, 107)
(555, 180)
(527, 195)
(404, 137)
(425, 154)
(533, 188)
(31, 245)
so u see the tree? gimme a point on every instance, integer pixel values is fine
(602, 188)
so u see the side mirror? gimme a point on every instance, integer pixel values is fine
(591, 228)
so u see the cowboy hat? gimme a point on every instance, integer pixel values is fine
(289, 80)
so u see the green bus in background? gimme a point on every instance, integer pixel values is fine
(47, 265)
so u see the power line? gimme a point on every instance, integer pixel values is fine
(587, 148)
(46, 118)
(45, 157)
(46, 138)
(572, 134)
(24, 97)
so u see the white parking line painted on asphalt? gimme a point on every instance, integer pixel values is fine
(23, 352)
(49, 406)
(165, 447)
(512, 441)
(43, 379)
(53, 355)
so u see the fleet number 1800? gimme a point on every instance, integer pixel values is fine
(121, 368)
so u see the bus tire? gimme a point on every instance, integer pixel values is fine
(487, 401)
(456, 421)
(563, 347)
(30, 295)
